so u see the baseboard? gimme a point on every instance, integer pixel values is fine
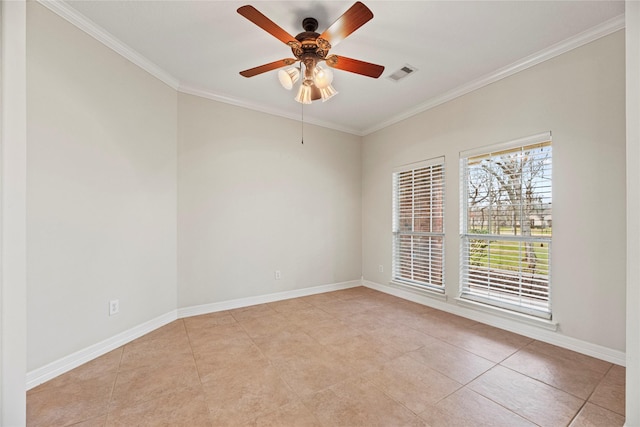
(526, 328)
(67, 363)
(263, 299)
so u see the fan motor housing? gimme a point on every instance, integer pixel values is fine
(311, 45)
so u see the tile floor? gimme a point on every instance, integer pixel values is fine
(355, 357)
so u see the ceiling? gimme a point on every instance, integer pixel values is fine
(199, 47)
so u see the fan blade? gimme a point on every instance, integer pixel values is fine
(351, 20)
(267, 67)
(255, 16)
(355, 66)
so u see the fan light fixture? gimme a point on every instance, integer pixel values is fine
(304, 94)
(321, 77)
(321, 81)
(327, 93)
(311, 48)
(288, 77)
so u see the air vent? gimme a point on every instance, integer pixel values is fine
(403, 72)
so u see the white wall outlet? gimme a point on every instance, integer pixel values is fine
(277, 274)
(114, 307)
(381, 268)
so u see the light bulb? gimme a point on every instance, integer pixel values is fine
(288, 77)
(322, 77)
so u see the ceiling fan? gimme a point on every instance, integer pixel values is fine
(311, 48)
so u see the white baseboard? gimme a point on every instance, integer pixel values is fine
(67, 363)
(263, 299)
(528, 328)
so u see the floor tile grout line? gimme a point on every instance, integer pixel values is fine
(143, 401)
(374, 384)
(606, 409)
(580, 409)
(299, 397)
(193, 354)
(555, 386)
(591, 394)
(545, 383)
(496, 402)
(277, 370)
(502, 406)
(555, 357)
(474, 353)
(461, 385)
(338, 316)
(398, 402)
(113, 386)
(361, 375)
(584, 401)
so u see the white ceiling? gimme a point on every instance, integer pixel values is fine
(200, 46)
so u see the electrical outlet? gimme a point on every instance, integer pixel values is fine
(114, 307)
(381, 268)
(277, 274)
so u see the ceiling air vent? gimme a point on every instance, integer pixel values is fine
(403, 72)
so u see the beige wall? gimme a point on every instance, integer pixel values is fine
(632, 44)
(101, 190)
(579, 96)
(13, 270)
(252, 199)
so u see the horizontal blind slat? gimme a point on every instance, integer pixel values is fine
(506, 223)
(418, 223)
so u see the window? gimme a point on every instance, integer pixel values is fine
(418, 225)
(506, 225)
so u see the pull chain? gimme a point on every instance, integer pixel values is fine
(302, 123)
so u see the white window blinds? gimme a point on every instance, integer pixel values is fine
(418, 225)
(506, 225)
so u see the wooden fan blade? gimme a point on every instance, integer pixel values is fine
(255, 16)
(355, 66)
(351, 20)
(267, 67)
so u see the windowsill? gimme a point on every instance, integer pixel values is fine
(422, 291)
(508, 314)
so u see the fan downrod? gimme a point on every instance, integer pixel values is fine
(310, 24)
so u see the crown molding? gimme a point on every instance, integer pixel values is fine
(191, 90)
(74, 17)
(62, 9)
(604, 29)
(67, 12)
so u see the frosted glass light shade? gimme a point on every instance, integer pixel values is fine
(288, 77)
(304, 94)
(327, 93)
(322, 77)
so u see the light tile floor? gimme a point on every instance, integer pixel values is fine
(355, 357)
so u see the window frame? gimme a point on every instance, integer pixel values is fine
(396, 277)
(467, 239)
